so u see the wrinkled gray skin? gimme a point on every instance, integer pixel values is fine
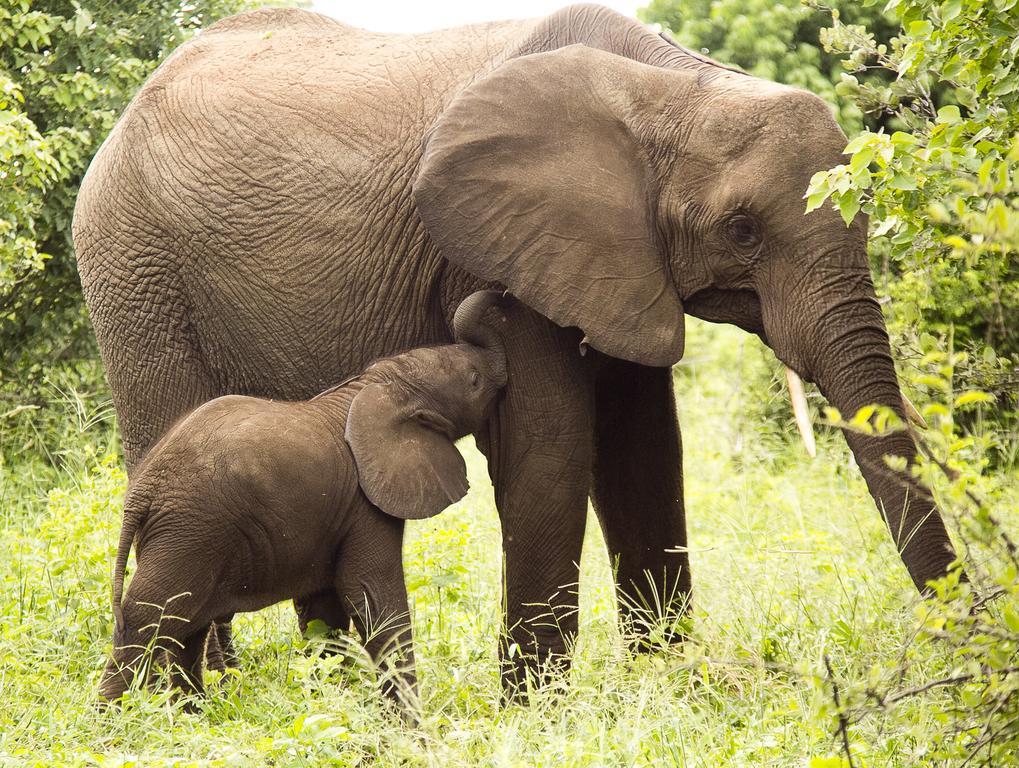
(246, 502)
(288, 198)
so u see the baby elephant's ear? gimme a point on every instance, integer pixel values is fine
(406, 466)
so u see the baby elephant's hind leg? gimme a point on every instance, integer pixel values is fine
(370, 583)
(156, 619)
(134, 652)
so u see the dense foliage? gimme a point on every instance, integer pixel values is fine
(942, 191)
(67, 69)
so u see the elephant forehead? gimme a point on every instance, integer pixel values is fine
(428, 366)
(742, 114)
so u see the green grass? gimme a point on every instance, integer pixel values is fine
(791, 564)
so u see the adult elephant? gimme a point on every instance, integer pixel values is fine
(288, 198)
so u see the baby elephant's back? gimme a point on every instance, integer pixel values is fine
(247, 456)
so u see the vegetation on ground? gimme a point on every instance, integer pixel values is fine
(793, 572)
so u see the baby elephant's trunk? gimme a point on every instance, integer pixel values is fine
(475, 322)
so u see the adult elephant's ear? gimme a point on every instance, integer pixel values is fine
(532, 178)
(407, 465)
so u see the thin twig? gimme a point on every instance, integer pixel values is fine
(926, 687)
(843, 720)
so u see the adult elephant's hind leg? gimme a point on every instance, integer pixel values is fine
(150, 349)
(637, 492)
(539, 449)
(152, 355)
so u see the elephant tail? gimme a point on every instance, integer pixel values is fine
(136, 509)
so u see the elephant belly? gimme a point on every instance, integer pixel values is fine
(293, 336)
(291, 569)
(304, 294)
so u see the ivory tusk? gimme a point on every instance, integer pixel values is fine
(799, 402)
(583, 346)
(912, 414)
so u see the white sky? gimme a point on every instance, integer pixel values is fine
(422, 15)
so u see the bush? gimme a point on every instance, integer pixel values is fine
(942, 192)
(967, 636)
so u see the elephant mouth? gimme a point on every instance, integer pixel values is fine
(737, 306)
(437, 423)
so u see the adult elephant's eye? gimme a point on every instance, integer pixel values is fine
(744, 231)
(475, 378)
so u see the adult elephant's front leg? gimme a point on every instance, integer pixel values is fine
(539, 448)
(637, 491)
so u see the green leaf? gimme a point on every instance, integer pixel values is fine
(861, 159)
(815, 200)
(903, 182)
(861, 421)
(953, 68)
(82, 21)
(832, 415)
(949, 114)
(849, 206)
(920, 29)
(1004, 86)
(1011, 617)
(834, 761)
(316, 628)
(818, 190)
(950, 10)
(973, 396)
(864, 139)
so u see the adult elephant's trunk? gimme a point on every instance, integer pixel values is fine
(852, 365)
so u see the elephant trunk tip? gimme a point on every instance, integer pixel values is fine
(469, 319)
(473, 323)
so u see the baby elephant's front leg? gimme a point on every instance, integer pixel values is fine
(370, 583)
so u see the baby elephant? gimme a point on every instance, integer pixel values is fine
(246, 502)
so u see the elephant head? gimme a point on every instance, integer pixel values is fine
(402, 424)
(616, 197)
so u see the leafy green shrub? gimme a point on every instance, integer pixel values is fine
(971, 626)
(942, 195)
(942, 192)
